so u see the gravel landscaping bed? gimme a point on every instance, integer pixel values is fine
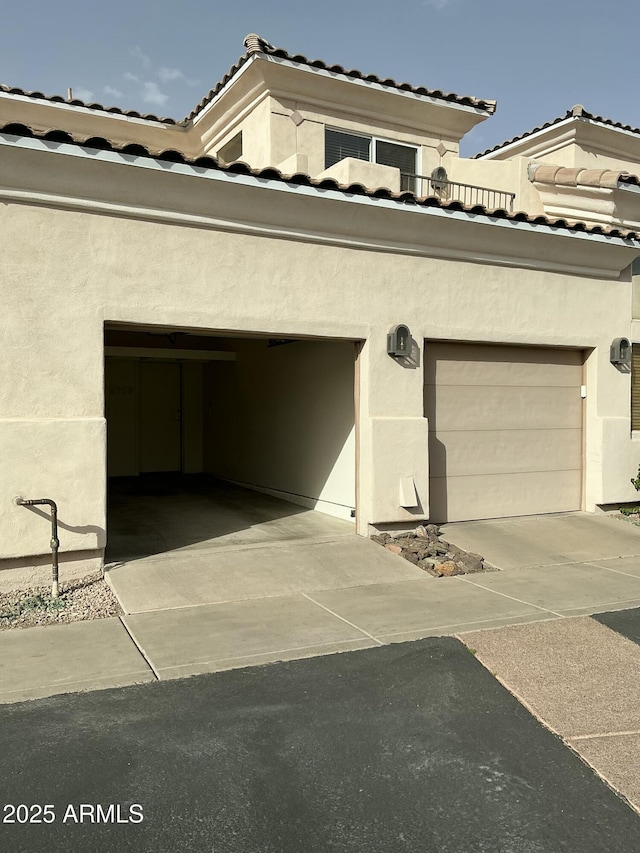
(84, 598)
(424, 548)
(631, 517)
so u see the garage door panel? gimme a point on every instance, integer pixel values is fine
(505, 430)
(504, 452)
(492, 496)
(495, 365)
(493, 408)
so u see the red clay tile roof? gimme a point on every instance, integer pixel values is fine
(575, 112)
(257, 45)
(219, 85)
(76, 102)
(299, 179)
(580, 177)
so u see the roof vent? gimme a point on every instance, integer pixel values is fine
(439, 178)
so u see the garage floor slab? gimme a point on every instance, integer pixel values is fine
(545, 540)
(159, 513)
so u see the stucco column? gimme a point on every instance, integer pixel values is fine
(393, 453)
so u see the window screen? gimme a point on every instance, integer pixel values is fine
(400, 157)
(338, 145)
(635, 386)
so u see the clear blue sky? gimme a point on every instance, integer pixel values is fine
(162, 56)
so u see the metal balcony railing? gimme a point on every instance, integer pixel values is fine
(467, 194)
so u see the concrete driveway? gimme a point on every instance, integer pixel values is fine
(219, 604)
(548, 540)
(198, 609)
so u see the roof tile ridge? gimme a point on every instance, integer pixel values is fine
(76, 102)
(255, 45)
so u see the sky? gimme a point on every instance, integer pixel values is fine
(162, 56)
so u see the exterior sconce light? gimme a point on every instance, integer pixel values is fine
(399, 342)
(620, 351)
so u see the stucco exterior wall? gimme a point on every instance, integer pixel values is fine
(256, 139)
(45, 115)
(307, 136)
(253, 258)
(505, 175)
(282, 111)
(282, 418)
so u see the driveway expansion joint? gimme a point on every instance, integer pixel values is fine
(342, 619)
(139, 648)
(511, 597)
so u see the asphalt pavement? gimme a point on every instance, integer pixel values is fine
(625, 622)
(409, 746)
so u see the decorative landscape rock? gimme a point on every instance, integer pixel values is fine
(424, 548)
(84, 598)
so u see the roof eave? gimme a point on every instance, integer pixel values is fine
(207, 167)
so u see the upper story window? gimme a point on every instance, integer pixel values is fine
(338, 144)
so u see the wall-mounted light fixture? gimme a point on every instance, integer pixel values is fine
(399, 342)
(620, 351)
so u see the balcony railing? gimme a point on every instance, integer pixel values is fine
(467, 194)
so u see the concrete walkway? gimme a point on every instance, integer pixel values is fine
(325, 596)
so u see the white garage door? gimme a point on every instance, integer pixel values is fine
(505, 430)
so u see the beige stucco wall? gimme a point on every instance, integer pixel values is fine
(283, 111)
(321, 266)
(352, 171)
(254, 124)
(306, 137)
(43, 116)
(505, 175)
(282, 418)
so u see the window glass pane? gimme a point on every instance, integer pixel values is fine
(399, 156)
(338, 145)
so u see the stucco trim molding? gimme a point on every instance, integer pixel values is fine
(604, 197)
